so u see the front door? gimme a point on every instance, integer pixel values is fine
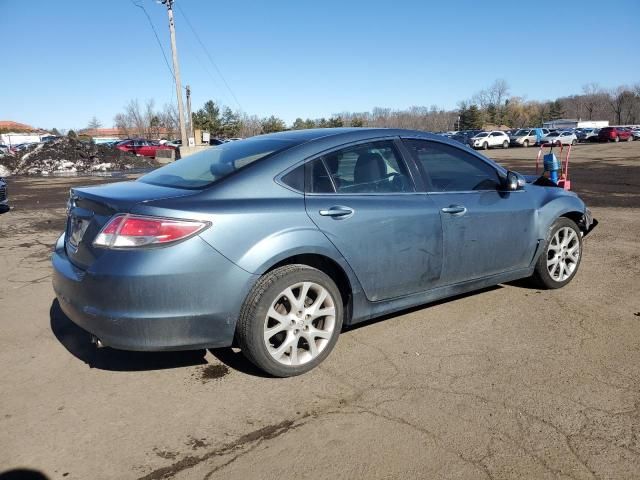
(363, 199)
(486, 231)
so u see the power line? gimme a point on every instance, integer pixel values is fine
(206, 51)
(164, 55)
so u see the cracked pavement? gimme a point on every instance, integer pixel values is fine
(509, 382)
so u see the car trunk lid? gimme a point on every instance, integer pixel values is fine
(90, 208)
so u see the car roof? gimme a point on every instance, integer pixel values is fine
(352, 134)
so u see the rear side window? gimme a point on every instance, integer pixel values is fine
(295, 178)
(201, 169)
(450, 169)
(368, 168)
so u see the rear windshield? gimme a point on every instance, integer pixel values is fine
(203, 168)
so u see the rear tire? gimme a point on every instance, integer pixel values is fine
(559, 261)
(290, 321)
(573, 142)
(630, 139)
(617, 139)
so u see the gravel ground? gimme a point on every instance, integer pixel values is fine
(510, 382)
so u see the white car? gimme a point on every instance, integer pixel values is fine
(492, 139)
(557, 138)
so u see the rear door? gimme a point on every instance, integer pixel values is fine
(495, 139)
(146, 149)
(486, 231)
(363, 198)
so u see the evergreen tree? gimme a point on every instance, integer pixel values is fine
(470, 118)
(299, 124)
(230, 123)
(72, 134)
(335, 122)
(273, 124)
(357, 122)
(492, 114)
(556, 110)
(208, 118)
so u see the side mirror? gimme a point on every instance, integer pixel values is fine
(514, 181)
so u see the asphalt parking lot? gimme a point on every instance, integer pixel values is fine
(509, 382)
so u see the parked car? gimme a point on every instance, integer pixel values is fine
(526, 136)
(587, 134)
(560, 138)
(142, 147)
(215, 141)
(614, 134)
(636, 134)
(4, 197)
(492, 139)
(464, 136)
(280, 240)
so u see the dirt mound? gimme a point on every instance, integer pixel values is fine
(67, 155)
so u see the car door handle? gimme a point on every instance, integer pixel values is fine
(336, 212)
(457, 210)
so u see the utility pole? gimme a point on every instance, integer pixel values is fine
(189, 116)
(176, 72)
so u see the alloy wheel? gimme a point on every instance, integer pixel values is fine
(563, 254)
(299, 323)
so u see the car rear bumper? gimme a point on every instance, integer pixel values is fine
(182, 297)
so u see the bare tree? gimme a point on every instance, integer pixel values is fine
(621, 100)
(250, 125)
(592, 98)
(94, 123)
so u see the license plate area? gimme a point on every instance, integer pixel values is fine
(77, 228)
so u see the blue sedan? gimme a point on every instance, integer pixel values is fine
(275, 243)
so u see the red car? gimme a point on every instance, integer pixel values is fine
(145, 148)
(614, 134)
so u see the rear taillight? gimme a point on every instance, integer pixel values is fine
(130, 231)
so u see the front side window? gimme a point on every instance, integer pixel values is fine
(451, 169)
(367, 168)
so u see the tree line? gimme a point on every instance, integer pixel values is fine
(492, 107)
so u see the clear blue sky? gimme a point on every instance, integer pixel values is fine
(65, 61)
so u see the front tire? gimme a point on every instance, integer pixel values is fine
(505, 144)
(559, 262)
(630, 138)
(526, 144)
(617, 139)
(573, 143)
(290, 321)
(485, 146)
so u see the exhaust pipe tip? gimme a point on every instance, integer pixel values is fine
(97, 342)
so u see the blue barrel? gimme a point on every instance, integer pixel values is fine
(552, 165)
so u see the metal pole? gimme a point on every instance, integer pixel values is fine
(189, 116)
(176, 71)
